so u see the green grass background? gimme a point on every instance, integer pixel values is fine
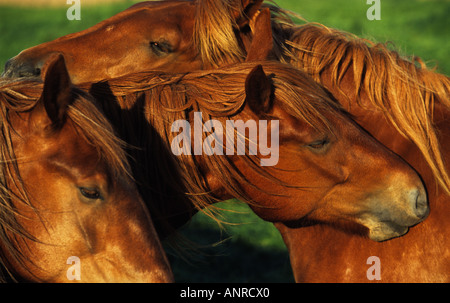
(251, 250)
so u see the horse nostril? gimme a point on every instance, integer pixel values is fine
(17, 69)
(7, 68)
(421, 205)
(26, 70)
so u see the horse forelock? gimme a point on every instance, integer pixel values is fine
(12, 233)
(404, 90)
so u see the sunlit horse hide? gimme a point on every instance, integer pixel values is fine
(328, 171)
(402, 105)
(163, 35)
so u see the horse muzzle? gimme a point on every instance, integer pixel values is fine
(385, 223)
(15, 68)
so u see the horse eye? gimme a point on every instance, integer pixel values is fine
(319, 144)
(90, 193)
(160, 48)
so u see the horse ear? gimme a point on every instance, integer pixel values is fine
(258, 91)
(57, 93)
(262, 41)
(249, 9)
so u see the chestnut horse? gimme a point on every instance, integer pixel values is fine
(216, 42)
(172, 35)
(407, 109)
(66, 191)
(327, 168)
(164, 31)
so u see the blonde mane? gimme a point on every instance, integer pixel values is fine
(214, 34)
(404, 92)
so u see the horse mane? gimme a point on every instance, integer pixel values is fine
(404, 90)
(218, 94)
(216, 28)
(22, 96)
(214, 34)
(221, 92)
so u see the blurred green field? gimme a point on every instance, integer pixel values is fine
(251, 251)
(415, 27)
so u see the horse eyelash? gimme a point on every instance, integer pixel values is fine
(319, 144)
(160, 48)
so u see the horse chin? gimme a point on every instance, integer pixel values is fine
(384, 231)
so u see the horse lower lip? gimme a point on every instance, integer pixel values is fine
(386, 231)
